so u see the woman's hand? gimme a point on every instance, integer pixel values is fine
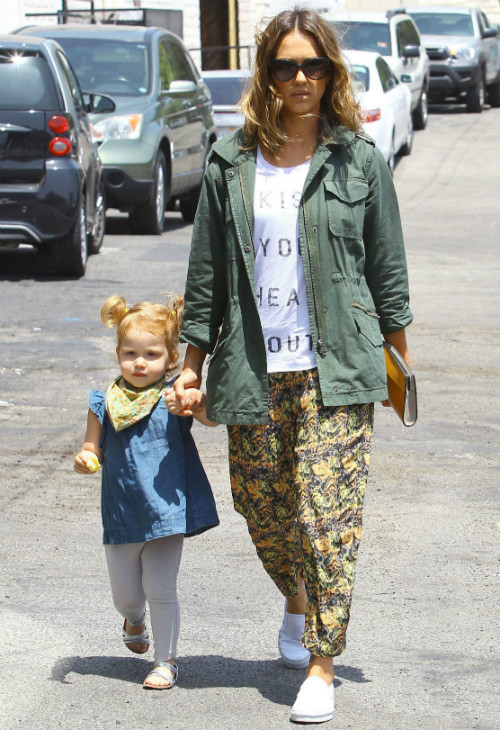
(398, 339)
(86, 462)
(190, 402)
(187, 403)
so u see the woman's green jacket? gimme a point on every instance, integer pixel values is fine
(352, 250)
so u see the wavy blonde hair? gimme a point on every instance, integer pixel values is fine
(260, 103)
(162, 320)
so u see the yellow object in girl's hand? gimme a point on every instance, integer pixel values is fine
(92, 464)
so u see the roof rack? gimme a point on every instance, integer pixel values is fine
(395, 11)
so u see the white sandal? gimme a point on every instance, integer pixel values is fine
(142, 638)
(165, 670)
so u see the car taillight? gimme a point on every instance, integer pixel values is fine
(60, 146)
(371, 115)
(58, 124)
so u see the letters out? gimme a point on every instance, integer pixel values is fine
(291, 343)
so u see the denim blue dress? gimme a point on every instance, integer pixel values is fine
(153, 481)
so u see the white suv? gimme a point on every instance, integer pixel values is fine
(394, 36)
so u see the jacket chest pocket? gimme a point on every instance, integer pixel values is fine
(345, 203)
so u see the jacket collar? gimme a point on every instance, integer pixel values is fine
(230, 148)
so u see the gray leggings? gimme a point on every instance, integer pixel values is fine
(147, 571)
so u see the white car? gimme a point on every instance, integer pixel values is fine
(396, 37)
(226, 88)
(385, 103)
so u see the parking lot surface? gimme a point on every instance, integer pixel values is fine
(423, 645)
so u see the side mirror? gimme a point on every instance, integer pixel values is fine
(410, 51)
(407, 78)
(98, 103)
(180, 89)
(489, 33)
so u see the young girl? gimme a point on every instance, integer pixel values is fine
(154, 488)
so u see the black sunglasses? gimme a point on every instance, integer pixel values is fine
(283, 69)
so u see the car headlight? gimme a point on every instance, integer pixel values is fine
(463, 54)
(123, 126)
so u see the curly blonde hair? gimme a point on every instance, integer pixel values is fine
(262, 106)
(162, 320)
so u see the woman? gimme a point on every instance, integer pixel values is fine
(297, 268)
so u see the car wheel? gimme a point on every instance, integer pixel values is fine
(494, 94)
(189, 204)
(421, 113)
(475, 96)
(408, 144)
(390, 160)
(70, 253)
(149, 218)
(96, 237)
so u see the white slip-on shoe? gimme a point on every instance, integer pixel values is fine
(315, 702)
(294, 655)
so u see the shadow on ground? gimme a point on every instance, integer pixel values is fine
(274, 681)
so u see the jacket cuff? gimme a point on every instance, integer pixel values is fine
(397, 322)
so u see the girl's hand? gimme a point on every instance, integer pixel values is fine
(193, 401)
(86, 462)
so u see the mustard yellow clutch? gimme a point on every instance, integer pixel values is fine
(401, 385)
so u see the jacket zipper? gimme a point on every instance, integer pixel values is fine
(320, 345)
(246, 209)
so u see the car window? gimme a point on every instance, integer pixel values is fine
(360, 77)
(405, 35)
(483, 22)
(445, 24)
(72, 81)
(183, 70)
(167, 70)
(411, 33)
(26, 82)
(119, 68)
(363, 36)
(226, 90)
(387, 76)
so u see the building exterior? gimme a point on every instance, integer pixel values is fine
(225, 29)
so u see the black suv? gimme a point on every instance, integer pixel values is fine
(50, 172)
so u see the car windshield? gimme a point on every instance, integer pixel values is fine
(361, 36)
(114, 67)
(360, 77)
(26, 82)
(226, 90)
(445, 24)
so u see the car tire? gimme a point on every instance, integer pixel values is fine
(70, 253)
(421, 113)
(494, 94)
(475, 96)
(407, 146)
(95, 239)
(149, 218)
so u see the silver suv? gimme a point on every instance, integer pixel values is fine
(395, 36)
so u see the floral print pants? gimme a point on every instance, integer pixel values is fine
(300, 483)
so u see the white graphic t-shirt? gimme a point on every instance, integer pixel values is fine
(279, 274)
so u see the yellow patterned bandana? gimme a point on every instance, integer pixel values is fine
(126, 405)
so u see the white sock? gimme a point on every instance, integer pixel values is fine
(293, 625)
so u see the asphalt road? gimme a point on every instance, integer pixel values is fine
(423, 645)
